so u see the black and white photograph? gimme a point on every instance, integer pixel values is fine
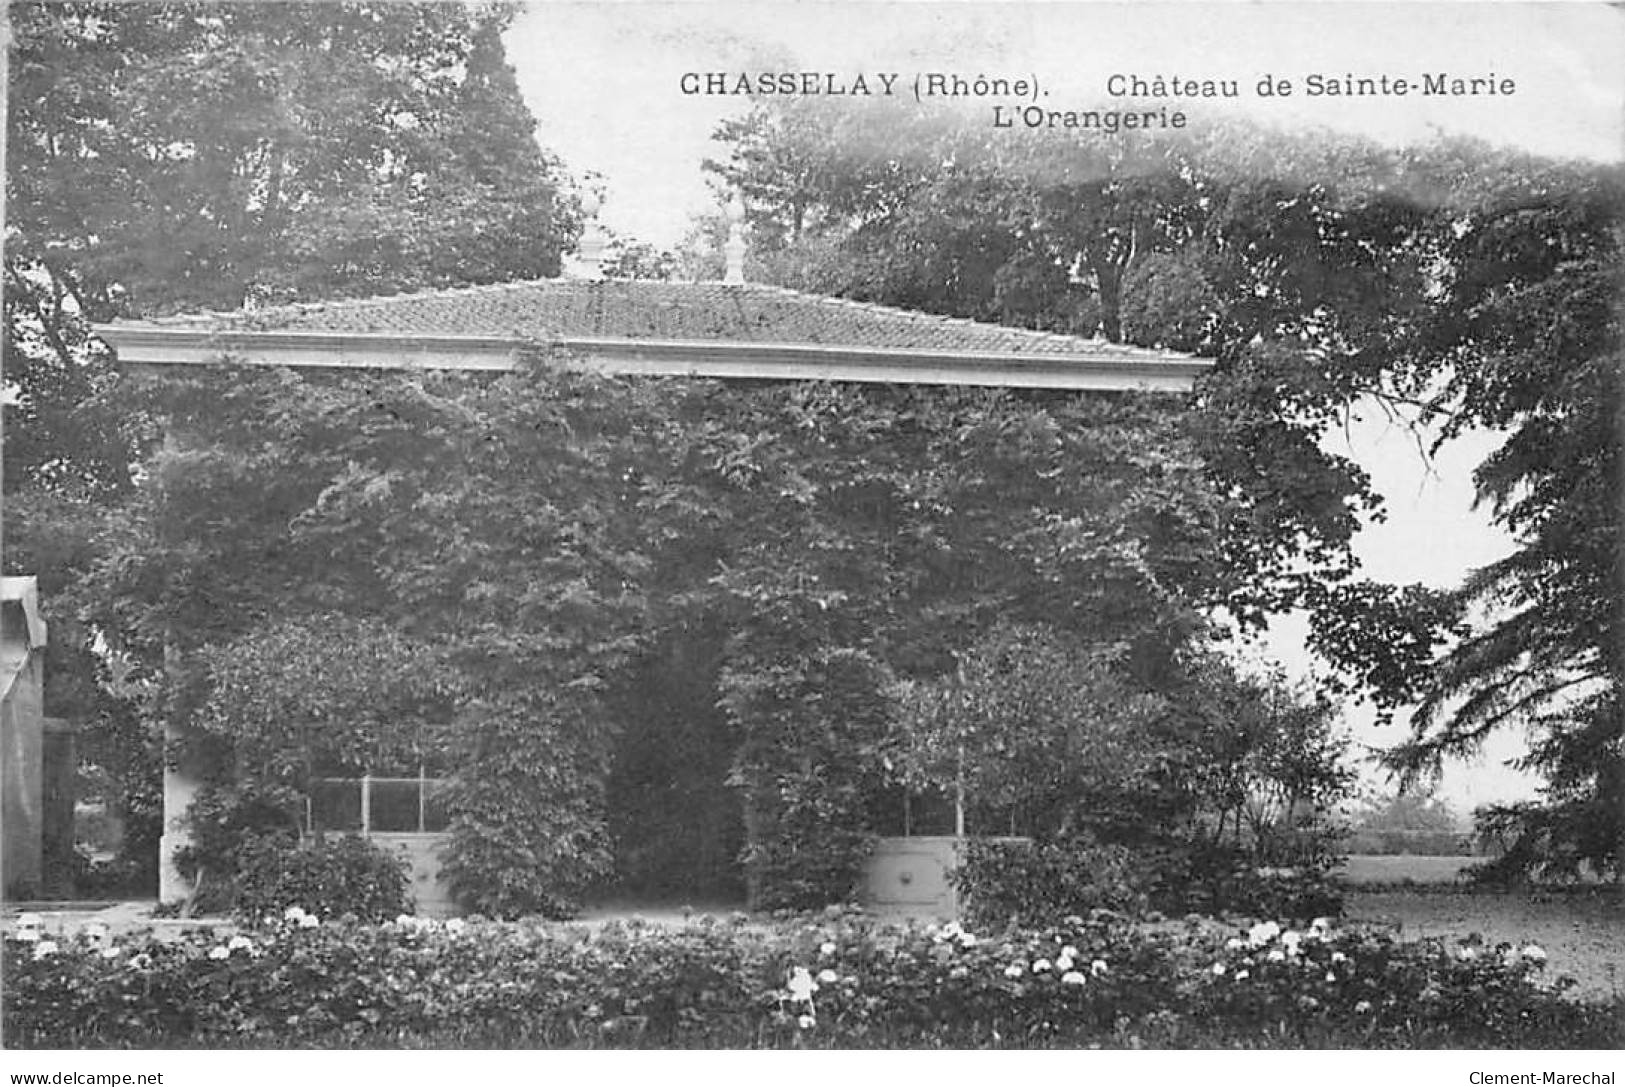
(1086, 530)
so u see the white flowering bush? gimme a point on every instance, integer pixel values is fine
(1368, 982)
(838, 979)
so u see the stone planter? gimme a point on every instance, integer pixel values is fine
(421, 851)
(909, 876)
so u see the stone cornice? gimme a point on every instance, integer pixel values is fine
(1112, 368)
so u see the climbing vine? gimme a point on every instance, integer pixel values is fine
(533, 536)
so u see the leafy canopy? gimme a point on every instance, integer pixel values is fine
(1460, 284)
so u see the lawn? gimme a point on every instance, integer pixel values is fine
(1583, 933)
(1403, 868)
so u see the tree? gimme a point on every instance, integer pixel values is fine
(629, 258)
(1273, 765)
(1407, 822)
(174, 157)
(182, 157)
(1048, 734)
(167, 157)
(1298, 288)
(1529, 335)
(1339, 274)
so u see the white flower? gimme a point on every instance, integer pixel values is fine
(1040, 966)
(1320, 924)
(1363, 1006)
(1065, 962)
(967, 940)
(219, 953)
(1468, 954)
(239, 943)
(28, 927)
(293, 913)
(1330, 976)
(1069, 952)
(44, 949)
(456, 925)
(140, 961)
(112, 951)
(1534, 953)
(802, 986)
(1098, 967)
(1338, 956)
(1276, 955)
(1262, 933)
(1241, 975)
(826, 948)
(828, 977)
(1290, 941)
(1235, 943)
(806, 1022)
(1218, 969)
(1072, 977)
(405, 920)
(1015, 970)
(308, 921)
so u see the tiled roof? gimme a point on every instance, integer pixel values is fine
(563, 309)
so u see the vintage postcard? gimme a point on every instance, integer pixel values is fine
(828, 526)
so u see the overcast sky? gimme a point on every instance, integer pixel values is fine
(604, 81)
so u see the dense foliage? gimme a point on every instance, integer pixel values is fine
(839, 980)
(166, 157)
(1531, 323)
(499, 558)
(333, 876)
(1050, 734)
(1452, 284)
(276, 150)
(1296, 284)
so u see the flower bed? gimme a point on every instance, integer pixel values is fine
(840, 979)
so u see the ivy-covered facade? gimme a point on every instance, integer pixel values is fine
(642, 568)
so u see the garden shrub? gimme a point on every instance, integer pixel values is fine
(1215, 880)
(1004, 882)
(836, 980)
(330, 876)
(223, 818)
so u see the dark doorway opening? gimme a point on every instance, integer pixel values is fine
(676, 824)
